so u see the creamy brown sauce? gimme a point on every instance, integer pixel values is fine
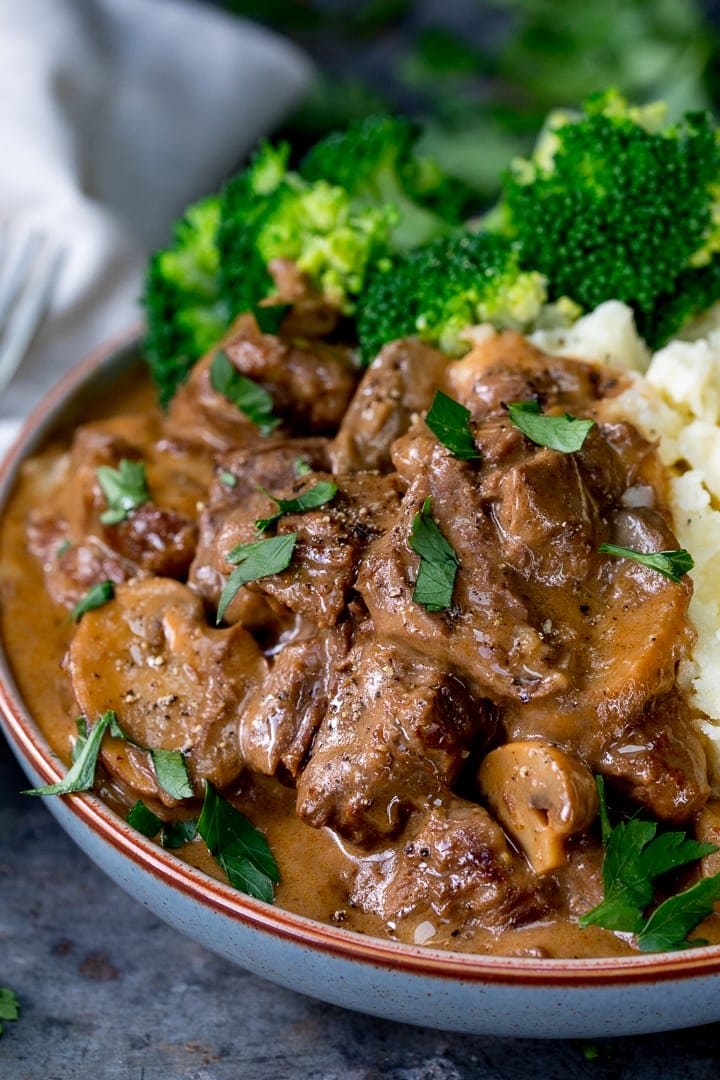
(318, 870)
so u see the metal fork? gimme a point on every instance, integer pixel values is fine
(29, 268)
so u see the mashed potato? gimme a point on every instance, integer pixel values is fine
(674, 398)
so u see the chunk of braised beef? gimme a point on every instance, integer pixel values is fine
(396, 733)
(661, 762)
(161, 542)
(453, 867)
(279, 720)
(398, 385)
(309, 381)
(487, 634)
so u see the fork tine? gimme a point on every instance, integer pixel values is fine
(29, 310)
(17, 262)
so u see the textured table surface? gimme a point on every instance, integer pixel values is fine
(108, 991)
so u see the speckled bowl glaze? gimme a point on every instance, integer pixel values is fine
(459, 992)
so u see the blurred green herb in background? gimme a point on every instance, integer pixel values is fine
(481, 76)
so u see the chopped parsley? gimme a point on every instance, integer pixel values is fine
(81, 775)
(241, 850)
(450, 422)
(249, 397)
(143, 819)
(301, 467)
(172, 773)
(256, 560)
(95, 597)
(318, 495)
(438, 562)
(563, 433)
(125, 488)
(227, 479)
(82, 733)
(672, 564)
(9, 1008)
(62, 549)
(172, 834)
(636, 856)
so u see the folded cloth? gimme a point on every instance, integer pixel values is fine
(114, 115)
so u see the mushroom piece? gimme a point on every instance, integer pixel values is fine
(540, 795)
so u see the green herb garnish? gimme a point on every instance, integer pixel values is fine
(143, 819)
(253, 561)
(438, 562)
(95, 597)
(62, 549)
(227, 479)
(82, 733)
(241, 850)
(9, 1008)
(249, 397)
(672, 564)
(301, 467)
(172, 773)
(177, 833)
(81, 776)
(318, 495)
(563, 433)
(671, 922)
(635, 857)
(125, 488)
(450, 422)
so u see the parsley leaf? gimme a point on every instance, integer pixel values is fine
(82, 734)
(9, 1008)
(125, 488)
(301, 467)
(249, 397)
(95, 597)
(227, 479)
(438, 562)
(171, 772)
(241, 850)
(177, 833)
(450, 422)
(563, 433)
(173, 834)
(256, 560)
(81, 776)
(318, 495)
(635, 857)
(143, 819)
(672, 921)
(673, 564)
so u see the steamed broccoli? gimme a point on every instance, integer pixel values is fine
(374, 162)
(614, 205)
(437, 292)
(184, 311)
(269, 212)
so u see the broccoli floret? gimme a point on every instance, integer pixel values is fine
(616, 206)
(437, 292)
(269, 212)
(184, 310)
(374, 162)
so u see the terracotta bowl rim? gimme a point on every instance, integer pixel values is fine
(216, 897)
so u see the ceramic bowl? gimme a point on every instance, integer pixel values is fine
(460, 992)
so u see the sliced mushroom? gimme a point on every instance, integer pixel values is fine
(540, 796)
(707, 830)
(174, 683)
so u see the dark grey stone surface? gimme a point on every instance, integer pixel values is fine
(108, 992)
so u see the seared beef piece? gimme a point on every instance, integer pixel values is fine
(546, 518)
(281, 717)
(174, 683)
(329, 543)
(396, 733)
(661, 762)
(71, 569)
(487, 634)
(506, 367)
(453, 867)
(310, 315)
(310, 383)
(79, 551)
(399, 384)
